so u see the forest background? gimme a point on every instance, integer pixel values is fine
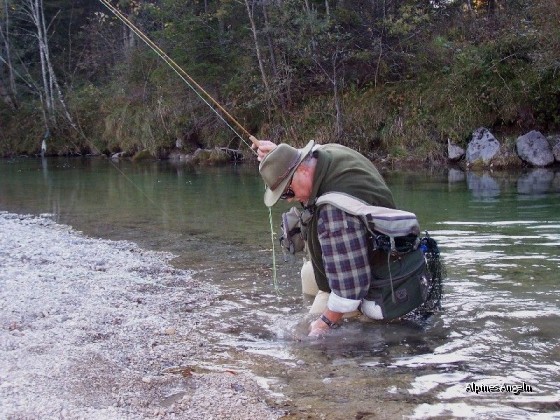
(390, 78)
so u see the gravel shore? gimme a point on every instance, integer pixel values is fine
(99, 329)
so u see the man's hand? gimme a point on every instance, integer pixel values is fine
(319, 327)
(264, 148)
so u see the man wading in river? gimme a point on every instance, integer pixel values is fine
(347, 271)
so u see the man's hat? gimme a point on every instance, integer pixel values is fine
(278, 167)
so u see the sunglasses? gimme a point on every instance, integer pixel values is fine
(287, 194)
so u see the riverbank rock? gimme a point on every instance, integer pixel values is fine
(215, 156)
(554, 142)
(454, 153)
(482, 148)
(142, 155)
(506, 158)
(118, 155)
(210, 157)
(175, 155)
(533, 148)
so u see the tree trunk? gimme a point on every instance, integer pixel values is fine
(251, 16)
(379, 57)
(332, 74)
(492, 6)
(129, 39)
(7, 87)
(34, 10)
(51, 87)
(269, 41)
(4, 93)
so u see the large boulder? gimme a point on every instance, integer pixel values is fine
(554, 142)
(482, 148)
(534, 149)
(214, 156)
(506, 158)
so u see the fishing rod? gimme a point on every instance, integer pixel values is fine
(205, 97)
(199, 90)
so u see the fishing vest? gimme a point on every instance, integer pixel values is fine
(341, 169)
(400, 279)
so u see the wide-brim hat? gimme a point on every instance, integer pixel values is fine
(278, 167)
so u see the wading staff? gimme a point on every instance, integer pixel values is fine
(199, 90)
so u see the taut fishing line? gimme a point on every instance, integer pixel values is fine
(204, 96)
(189, 81)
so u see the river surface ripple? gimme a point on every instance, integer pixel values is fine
(492, 351)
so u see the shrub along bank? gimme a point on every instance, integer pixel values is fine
(412, 120)
(417, 79)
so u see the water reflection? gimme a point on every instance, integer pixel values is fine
(455, 175)
(482, 185)
(490, 184)
(535, 182)
(499, 322)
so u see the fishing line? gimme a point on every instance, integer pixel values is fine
(190, 82)
(95, 150)
(204, 96)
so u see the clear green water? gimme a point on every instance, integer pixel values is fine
(499, 234)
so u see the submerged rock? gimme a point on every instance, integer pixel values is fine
(483, 185)
(455, 175)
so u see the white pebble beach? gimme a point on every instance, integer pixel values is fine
(97, 329)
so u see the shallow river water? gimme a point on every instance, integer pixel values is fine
(493, 350)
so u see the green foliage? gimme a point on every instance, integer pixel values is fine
(406, 75)
(410, 18)
(22, 131)
(83, 103)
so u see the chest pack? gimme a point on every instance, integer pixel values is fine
(406, 269)
(393, 231)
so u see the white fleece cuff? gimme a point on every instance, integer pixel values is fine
(371, 309)
(342, 305)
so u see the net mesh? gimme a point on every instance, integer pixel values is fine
(437, 273)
